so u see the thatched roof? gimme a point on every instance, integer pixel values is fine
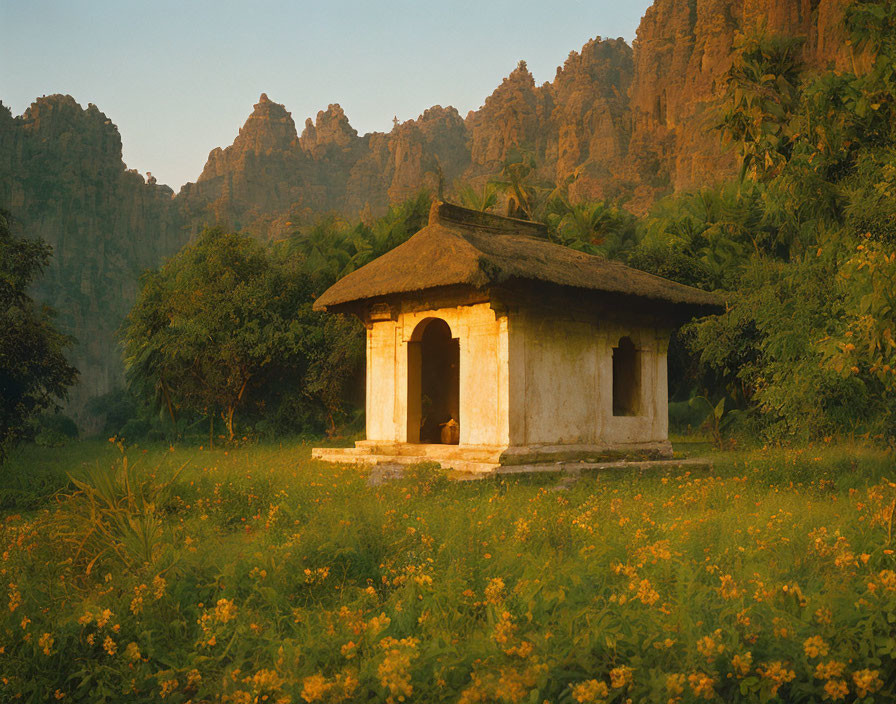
(461, 247)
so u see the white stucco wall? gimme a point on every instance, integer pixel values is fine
(483, 373)
(561, 381)
(531, 378)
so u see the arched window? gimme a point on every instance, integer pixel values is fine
(626, 379)
(433, 381)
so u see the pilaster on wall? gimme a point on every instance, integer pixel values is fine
(382, 381)
(661, 397)
(603, 401)
(502, 406)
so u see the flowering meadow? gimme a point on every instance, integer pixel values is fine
(257, 575)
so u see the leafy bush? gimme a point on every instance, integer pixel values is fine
(54, 429)
(687, 416)
(801, 246)
(114, 513)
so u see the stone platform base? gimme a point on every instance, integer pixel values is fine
(485, 460)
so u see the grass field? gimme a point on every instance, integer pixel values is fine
(256, 575)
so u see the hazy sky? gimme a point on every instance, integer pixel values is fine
(179, 77)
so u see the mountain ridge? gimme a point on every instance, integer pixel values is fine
(629, 122)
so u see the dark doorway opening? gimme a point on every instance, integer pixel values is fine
(626, 379)
(433, 381)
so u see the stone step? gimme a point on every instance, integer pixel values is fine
(473, 467)
(579, 468)
(340, 456)
(435, 452)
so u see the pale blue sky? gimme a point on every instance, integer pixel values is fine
(179, 77)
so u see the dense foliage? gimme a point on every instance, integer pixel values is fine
(227, 326)
(34, 373)
(257, 575)
(803, 245)
(226, 329)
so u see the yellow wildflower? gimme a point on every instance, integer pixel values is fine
(378, 623)
(779, 628)
(815, 647)
(590, 692)
(46, 643)
(167, 686)
(708, 646)
(344, 686)
(675, 684)
(742, 664)
(494, 592)
(314, 688)
(777, 673)
(702, 685)
(137, 601)
(835, 689)
(316, 576)
(110, 646)
(867, 682)
(829, 670)
(504, 629)
(824, 616)
(15, 598)
(104, 618)
(225, 610)
(621, 676)
(264, 681)
(132, 652)
(394, 671)
(887, 579)
(728, 588)
(523, 650)
(646, 593)
(158, 586)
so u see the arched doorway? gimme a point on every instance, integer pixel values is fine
(433, 381)
(626, 379)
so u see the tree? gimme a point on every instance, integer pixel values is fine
(804, 242)
(34, 373)
(213, 324)
(524, 194)
(762, 95)
(595, 227)
(484, 198)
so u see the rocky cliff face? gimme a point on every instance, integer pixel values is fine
(616, 121)
(589, 126)
(513, 116)
(62, 177)
(251, 182)
(682, 51)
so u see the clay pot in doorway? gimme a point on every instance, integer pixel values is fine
(450, 432)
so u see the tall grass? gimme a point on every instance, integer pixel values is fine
(264, 576)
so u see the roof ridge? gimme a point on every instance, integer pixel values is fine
(447, 214)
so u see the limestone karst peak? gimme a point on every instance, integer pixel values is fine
(330, 128)
(270, 127)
